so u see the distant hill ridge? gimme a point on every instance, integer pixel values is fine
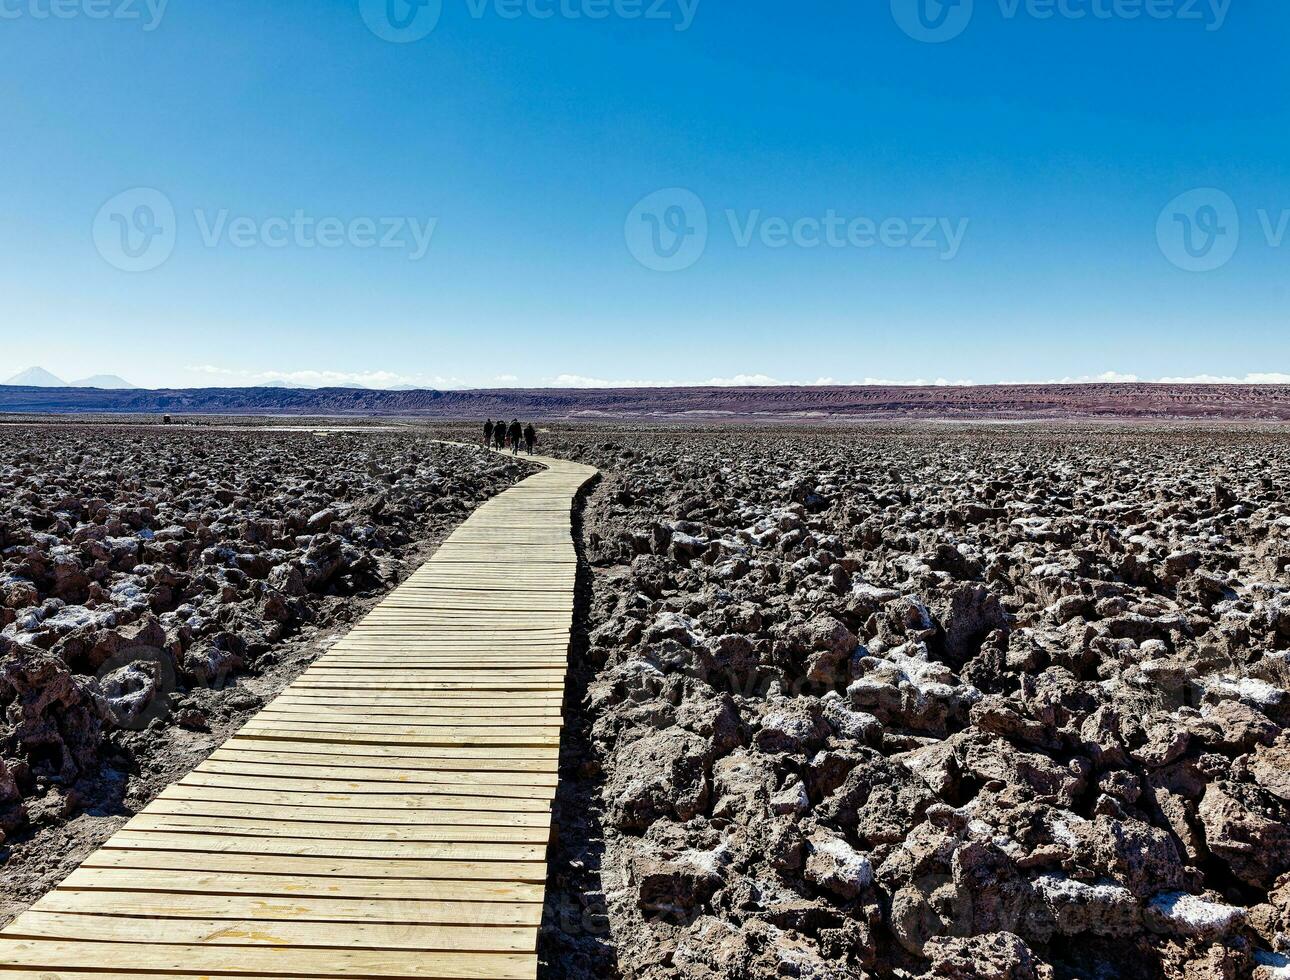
(1137, 400)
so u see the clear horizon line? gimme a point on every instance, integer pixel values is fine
(1251, 380)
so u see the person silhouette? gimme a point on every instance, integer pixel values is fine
(488, 433)
(499, 434)
(530, 437)
(514, 433)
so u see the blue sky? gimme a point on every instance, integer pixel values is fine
(502, 158)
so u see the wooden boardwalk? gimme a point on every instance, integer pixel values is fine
(387, 816)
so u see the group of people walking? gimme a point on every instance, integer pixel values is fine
(501, 435)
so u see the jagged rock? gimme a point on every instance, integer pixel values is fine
(997, 760)
(1038, 682)
(714, 950)
(1247, 828)
(12, 812)
(1238, 727)
(849, 724)
(823, 646)
(1180, 914)
(832, 864)
(1133, 853)
(135, 693)
(790, 800)
(792, 725)
(973, 612)
(1271, 768)
(211, 663)
(742, 782)
(1068, 907)
(53, 718)
(879, 799)
(675, 888)
(660, 775)
(995, 956)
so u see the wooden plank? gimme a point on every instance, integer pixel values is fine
(300, 886)
(320, 866)
(489, 701)
(414, 724)
(308, 847)
(296, 908)
(259, 826)
(314, 683)
(18, 974)
(358, 801)
(494, 797)
(408, 658)
(133, 975)
(519, 758)
(198, 959)
(304, 713)
(392, 774)
(428, 759)
(436, 672)
(229, 804)
(339, 735)
(105, 927)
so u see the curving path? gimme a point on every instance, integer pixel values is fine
(386, 816)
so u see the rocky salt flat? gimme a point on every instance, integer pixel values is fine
(158, 585)
(944, 702)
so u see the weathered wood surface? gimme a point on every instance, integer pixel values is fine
(386, 816)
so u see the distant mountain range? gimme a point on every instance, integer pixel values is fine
(38, 377)
(760, 404)
(110, 382)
